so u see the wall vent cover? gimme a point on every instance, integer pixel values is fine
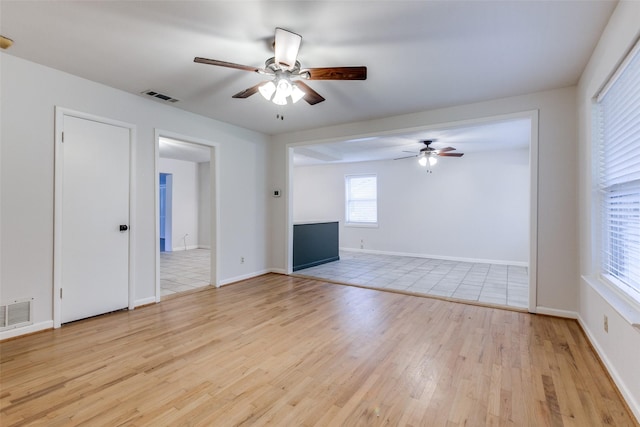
(16, 314)
(160, 96)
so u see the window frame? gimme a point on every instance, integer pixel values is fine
(604, 192)
(347, 181)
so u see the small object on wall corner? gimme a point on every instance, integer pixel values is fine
(5, 42)
(277, 193)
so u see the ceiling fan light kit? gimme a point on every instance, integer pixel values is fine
(285, 86)
(429, 155)
(281, 90)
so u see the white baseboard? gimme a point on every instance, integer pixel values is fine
(278, 270)
(145, 301)
(445, 258)
(204, 247)
(556, 312)
(617, 379)
(29, 329)
(243, 277)
(181, 248)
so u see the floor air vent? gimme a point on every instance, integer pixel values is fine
(160, 96)
(16, 313)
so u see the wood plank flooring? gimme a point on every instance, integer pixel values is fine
(285, 351)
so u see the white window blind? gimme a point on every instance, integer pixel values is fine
(362, 199)
(618, 142)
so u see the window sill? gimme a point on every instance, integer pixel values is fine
(624, 305)
(361, 224)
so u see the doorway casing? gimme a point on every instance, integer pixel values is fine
(214, 162)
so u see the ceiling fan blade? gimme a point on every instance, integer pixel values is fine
(248, 92)
(445, 149)
(337, 73)
(286, 46)
(311, 96)
(225, 64)
(451, 154)
(412, 152)
(407, 157)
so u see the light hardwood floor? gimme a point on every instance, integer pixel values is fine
(288, 351)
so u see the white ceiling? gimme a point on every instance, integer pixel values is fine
(490, 136)
(420, 54)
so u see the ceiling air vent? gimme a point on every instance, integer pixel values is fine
(160, 96)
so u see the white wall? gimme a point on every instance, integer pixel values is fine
(29, 94)
(473, 208)
(204, 207)
(620, 347)
(185, 202)
(557, 287)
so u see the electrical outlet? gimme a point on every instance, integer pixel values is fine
(241, 260)
(606, 324)
(361, 243)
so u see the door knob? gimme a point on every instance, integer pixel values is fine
(124, 227)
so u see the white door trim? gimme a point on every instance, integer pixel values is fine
(60, 113)
(215, 201)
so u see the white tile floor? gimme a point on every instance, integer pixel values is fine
(489, 283)
(505, 285)
(184, 270)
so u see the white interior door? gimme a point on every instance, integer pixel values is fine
(95, 203)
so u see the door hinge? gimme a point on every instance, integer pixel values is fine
(62, 136)
(60, 293)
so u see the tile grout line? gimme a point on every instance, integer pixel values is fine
(359, 270)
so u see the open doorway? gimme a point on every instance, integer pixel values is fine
(464, 229)
(186, 214)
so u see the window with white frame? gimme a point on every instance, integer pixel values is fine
(361, 199)
(617, 137)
